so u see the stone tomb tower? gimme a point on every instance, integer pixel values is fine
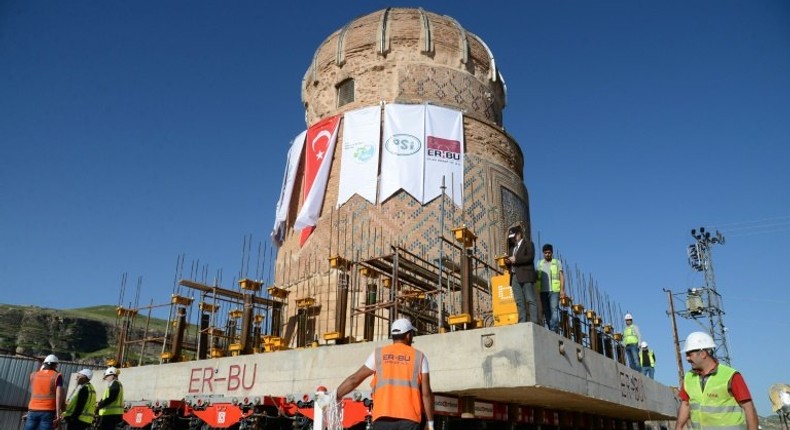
(339, 284)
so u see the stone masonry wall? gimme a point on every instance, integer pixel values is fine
(494, 194)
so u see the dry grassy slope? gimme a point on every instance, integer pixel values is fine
(772, 422)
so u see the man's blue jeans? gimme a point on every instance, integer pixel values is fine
(649, 371)
(551, 309)
(526, 302)
(632, 352)
(39, 420)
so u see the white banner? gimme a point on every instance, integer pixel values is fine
(484, 410)
(445, 404)
(403, 153)
(444, 154)
(320, 149)
(359, 164)
(286, 191)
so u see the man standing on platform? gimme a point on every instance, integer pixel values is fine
(551, 284)
(647, 360)
(631, 340)
(522, 275)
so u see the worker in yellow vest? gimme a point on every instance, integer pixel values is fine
(401, 382)
(82, 405)
(46, 396)
(110, 406)
(647, 360)
(631, 339)
(551, 284)
(713, 396)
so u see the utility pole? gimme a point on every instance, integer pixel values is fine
(675, 337)
(706, 302)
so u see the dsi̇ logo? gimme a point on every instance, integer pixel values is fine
(403, 144)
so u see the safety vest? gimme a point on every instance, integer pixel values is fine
(396, 384)
(86, 414)
(116, 407)
(44, 384)
(554, 275)
(714, 408)
(629, 336)
(651, 358)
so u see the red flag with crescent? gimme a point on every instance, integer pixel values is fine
(320, 148)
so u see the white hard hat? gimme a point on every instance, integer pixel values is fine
(111, 371)
(628, 317)
(401, 326)
(699, 340)
(51, 359)
(643, 344)
(86, 373)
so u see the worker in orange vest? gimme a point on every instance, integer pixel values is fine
(401, 382)
(46, 396)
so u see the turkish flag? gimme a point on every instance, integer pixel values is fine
(320, 147)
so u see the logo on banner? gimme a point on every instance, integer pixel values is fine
(444, 148)
(403, 144)
(444, 404)
(484, 410)
(363, 152)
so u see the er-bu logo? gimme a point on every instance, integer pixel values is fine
(400, 358)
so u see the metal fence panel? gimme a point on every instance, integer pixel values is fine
(11, 420)
(15, 379)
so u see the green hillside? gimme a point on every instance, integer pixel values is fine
(88, 334)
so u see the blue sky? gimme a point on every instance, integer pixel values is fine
(134, 132)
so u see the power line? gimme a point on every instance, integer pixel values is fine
(752, 233)
(784, 218)
(771, 301)
(761, 226)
